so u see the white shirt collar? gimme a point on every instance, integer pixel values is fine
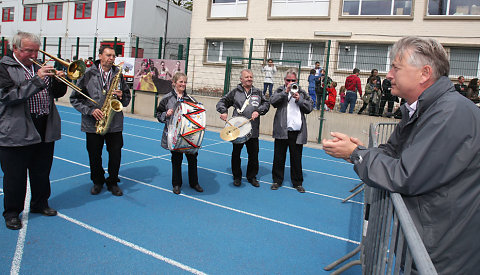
(411, 108)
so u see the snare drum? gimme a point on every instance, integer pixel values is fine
(186, 127)
(244, 126)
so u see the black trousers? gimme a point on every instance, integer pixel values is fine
(114, 143)
(252, 166)
(280, 155)
(391, 101)
(177, 158)
(15, 162)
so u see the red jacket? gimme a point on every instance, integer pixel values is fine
(352, 83)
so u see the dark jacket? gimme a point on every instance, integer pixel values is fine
(433, 160)
(16, 124)
(168, 102)
(91, 85)
(237, 97)
(279, 100)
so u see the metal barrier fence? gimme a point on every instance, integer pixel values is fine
(391, 243)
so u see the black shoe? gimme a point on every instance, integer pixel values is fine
(237, 182)
(45, 211)
(96, 189)
(300, 189)
(176, 190)
(254, 182)
(116, 191)
(197, 188)
(13, 223)
(275, 186)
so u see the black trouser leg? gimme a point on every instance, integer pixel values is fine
(279, 157)
(365, 104)
(114, 143)
(192, 169)
(295, 149)
(390, 105)
(176, 168)
(39, 174)
(252, 150)
(382, 105)
(14, 162)
(237, 161)
(94, 148)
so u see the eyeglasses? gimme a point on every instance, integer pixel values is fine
(291, 80)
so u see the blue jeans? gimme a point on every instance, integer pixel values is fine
(350, 98)
(269, 86)
(311, 92)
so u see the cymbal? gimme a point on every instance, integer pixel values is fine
(229, 133)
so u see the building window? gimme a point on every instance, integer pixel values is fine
(218, 51)
(55, 12)
(464, 61)
(307, 53)
(83, 10)
(30, 13)
(364, 57)
(7, 14)
(453, 7)
(377, 7)
(229, 8)
(292, 8)
(115, 9)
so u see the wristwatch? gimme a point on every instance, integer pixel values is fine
(355, 158)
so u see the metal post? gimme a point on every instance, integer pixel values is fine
(136, 49)
(77, 52)
(3, 46)
(44, 47)
(250, 55)
(160, 44)
(157, 94)
(187, 54)
(228, 70)
(133, 101)
(325, 80)
(60, 47)
(180, 51)
(94, 48)
(115, 45)
(166, 28)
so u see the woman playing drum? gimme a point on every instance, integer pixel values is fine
(164, 112)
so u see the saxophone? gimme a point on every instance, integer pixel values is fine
(111, 106)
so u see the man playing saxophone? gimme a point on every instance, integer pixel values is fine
(97, 84)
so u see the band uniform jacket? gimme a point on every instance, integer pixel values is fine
(236, 98)
(16, 124)
(433, 160)
(91, 85)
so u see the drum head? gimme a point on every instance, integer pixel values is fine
(186, 128)
(245, 127)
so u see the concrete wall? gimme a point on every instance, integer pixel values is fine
(350, 124)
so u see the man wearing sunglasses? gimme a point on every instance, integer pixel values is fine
(289, 130)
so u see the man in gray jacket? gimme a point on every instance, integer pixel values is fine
(29, 127)
(289, 130)
(250, 103)
(96, 83)
(432, 158)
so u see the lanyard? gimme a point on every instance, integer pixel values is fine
(105, 77)
(30, 73)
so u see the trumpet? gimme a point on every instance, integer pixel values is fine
(74, 71)
(294, 88)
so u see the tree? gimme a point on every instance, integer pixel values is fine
(187, 4)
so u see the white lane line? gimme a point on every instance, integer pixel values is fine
(1, 191)
(17, 258)
(70, 177)
(247, 213)
(266, 162)
(131, 245)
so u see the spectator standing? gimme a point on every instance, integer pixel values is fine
(432, 157)
(332, 96)
(386, 97)
(342, 96)
(317, 69)
(352, 85)
(269, 70)
(472, 90)
(312, 80)
(370, 97)
(461, 87)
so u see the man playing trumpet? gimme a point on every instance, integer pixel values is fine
(96, 82)
(29, 127)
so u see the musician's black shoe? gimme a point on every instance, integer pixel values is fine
(237, 182)
(300, 189)
(96, 189)
(176, 190)
(13, 223)
(116, 191)
(47, 211)
(275, 186)
(197, 188)
(254, 182)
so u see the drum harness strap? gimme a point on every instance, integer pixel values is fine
(245, 104)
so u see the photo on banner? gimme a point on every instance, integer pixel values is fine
(155, 75)
(128, 66)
